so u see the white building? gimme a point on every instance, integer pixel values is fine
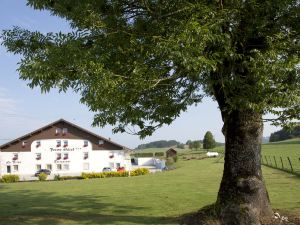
(62, 147)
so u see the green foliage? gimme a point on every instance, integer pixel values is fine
(143, 64)
(285, 134)
(209, 141)
(42, 177)
(181, 146)
(159, 144)
(10, 178)
(139, 171)
(57, 177)
(136, 172)
(104, 174)
(195, 145)
(143, 154)
(159, 154)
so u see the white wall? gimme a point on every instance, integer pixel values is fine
(97, 159)
(145, 161)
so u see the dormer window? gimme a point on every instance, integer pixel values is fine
(58, 156)
(58, 131)
(15, 156)
(66, 156)
(101, 142)
(85, 155)
(65, 143)
(38, 156)
(64, 131)
(24, 143)
(38, 144)
(58, 143)
(85, 143)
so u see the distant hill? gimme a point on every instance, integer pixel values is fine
(284, 134)
(159, 144)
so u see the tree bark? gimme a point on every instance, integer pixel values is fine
(243, 198)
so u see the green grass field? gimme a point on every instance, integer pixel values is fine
(151, 199)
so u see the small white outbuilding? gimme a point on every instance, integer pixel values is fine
(212, 154)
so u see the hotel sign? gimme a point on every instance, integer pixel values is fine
(65, 149)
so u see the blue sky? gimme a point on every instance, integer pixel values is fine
(23, 109)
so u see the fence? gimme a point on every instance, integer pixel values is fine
(287, 164)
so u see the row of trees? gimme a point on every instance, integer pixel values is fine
(285, 134)
(207, 143)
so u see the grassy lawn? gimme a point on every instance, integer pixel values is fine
(152, 199)
(284, 149)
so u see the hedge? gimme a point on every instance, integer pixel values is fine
(159, 153)
(10, 178)
(136, 172)
(143, 154)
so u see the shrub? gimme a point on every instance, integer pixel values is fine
(71, 177)
(159, 154)
(10, 178)
(169, 161)
(175, 158)
(42, 177)
(139, 171)
(143, 154)
(104, 174)
(57, 177)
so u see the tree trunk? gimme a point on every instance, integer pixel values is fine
(242, 197)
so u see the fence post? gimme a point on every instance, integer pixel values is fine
(281, 163)
(290, 164)
(266, 160)
(275, 161)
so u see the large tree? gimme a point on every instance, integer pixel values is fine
(141, 63)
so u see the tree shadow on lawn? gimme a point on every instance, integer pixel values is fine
(38, 207)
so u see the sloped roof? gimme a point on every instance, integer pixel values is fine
(56, 122)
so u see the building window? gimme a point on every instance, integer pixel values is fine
(85, 143)
(58, 143)
(58, 156)
(15, 156)
(58, 166)
(38, 156)
(66, 156)
(64, 131)
(111, 156)
(49, 166)
(38, 144)
(57, 131)
(66, 166)
(86, 166)
(118, 165)
(85, 155)
(101, 142)
(24, 143)
(38, 167)
(16, 168)
(65, 143)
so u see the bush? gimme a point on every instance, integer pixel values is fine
(175, 158)
(71, 177)
(10, 178)
(143, 154)
(42, 177)
(139, 171)
(159, 154)
(104, 175)
(57, 177)
(169, 161)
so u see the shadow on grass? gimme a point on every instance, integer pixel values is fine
(38, 207)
